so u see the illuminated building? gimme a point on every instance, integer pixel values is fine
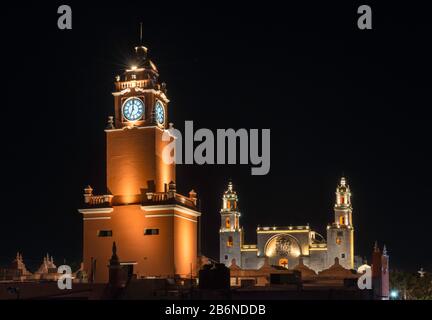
(284, 246)
(154, 227)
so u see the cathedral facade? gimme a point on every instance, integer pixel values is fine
(286, 246)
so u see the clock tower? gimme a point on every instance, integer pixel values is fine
(154, 227)
(134, 139)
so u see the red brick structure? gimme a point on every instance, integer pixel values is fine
(380, 273)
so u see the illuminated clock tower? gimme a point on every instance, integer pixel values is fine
(154, 227)
(134, 139)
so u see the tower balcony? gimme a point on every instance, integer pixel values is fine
(170, 197)
(91, 200)
(135, 84)
(339, 226)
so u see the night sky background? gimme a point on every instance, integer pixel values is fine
(338, 100)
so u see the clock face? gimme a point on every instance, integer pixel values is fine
(159, 112)
(133, 109)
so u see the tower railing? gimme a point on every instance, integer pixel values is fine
(283, 228)
(96, 200)
(170, 195)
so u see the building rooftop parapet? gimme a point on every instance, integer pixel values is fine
(170, 197)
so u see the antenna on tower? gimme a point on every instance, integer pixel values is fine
(140, 49)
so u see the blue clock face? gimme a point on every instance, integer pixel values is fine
(159, 112)
(133, 109)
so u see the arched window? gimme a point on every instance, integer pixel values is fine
(338, 240)
(230, 242)
(342, 220)
(227, 223)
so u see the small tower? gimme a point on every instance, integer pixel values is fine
(230, 233)
(340, 234)
(380, 273)
(343, 208)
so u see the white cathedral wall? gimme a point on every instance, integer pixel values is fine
(250, 260)
(317, 260)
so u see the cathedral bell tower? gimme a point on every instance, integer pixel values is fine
(230, 233)
(134, 134)
(340, 234)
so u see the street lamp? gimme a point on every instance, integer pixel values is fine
(394, 294)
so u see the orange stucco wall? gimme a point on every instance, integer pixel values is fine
(170, 252)
(185, 246)
(134, 162)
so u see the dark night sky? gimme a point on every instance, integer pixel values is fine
(336, 99)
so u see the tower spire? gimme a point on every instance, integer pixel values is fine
(140, 49)
(376, 249)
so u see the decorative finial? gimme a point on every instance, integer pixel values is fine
(114, 258)
(88, 190)
(172, 186)
(230, 185)
(343, 181)
(141, 33)
(110, 124)
(384, 250)
(421, 272)
(114, 249)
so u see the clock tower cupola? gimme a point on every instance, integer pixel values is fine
(139, 98)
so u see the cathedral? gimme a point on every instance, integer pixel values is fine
(153, 227)
(286, 246)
